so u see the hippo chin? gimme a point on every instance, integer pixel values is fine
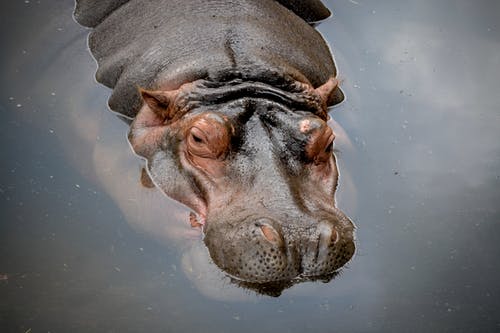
(231, 119)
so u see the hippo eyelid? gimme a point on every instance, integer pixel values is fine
(216, 117)
(196, 138)
(198, 134)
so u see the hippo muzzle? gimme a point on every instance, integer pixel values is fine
(263, 250)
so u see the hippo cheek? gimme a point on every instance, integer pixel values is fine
(255, 252)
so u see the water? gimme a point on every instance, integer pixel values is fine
(84, 247)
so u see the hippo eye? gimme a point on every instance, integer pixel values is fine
(196, 138)
(197, 135)
(207, 138)
(320, 146)
(197, 143)
(329, 144)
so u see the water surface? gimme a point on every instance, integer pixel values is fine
(84, 247)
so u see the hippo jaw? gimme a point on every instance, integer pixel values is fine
(258, 168)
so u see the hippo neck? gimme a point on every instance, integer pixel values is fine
(293, 95)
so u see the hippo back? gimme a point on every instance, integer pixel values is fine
(90, 13)
(166, 43)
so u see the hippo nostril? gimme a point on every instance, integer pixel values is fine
(327, 237)
(269, 233)
(335, 236)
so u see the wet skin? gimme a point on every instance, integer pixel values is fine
(260, 174)
(230, 115)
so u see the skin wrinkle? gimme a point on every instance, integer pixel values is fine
(228, 48)
(203, 92)
(262, 89)
(275, 124)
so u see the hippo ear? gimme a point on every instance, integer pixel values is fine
(330, 93)
(160, 102)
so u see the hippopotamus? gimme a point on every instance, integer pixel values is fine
(228, 105)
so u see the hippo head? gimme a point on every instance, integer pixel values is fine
(256, 163)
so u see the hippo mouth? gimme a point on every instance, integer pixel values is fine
(275, 288)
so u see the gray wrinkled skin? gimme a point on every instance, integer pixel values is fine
(168, 42)
(304, 251)
(278, 191)
(268, 182)
(270, 216)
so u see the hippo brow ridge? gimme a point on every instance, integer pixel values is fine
(203, 92)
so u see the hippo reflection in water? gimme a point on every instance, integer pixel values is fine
(229, 105)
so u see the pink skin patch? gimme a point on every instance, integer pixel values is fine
(305, 126)
(195, 221)
(270, 234)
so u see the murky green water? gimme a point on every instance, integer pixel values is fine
(84, 247)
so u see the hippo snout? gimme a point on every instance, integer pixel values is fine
(262, 250)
